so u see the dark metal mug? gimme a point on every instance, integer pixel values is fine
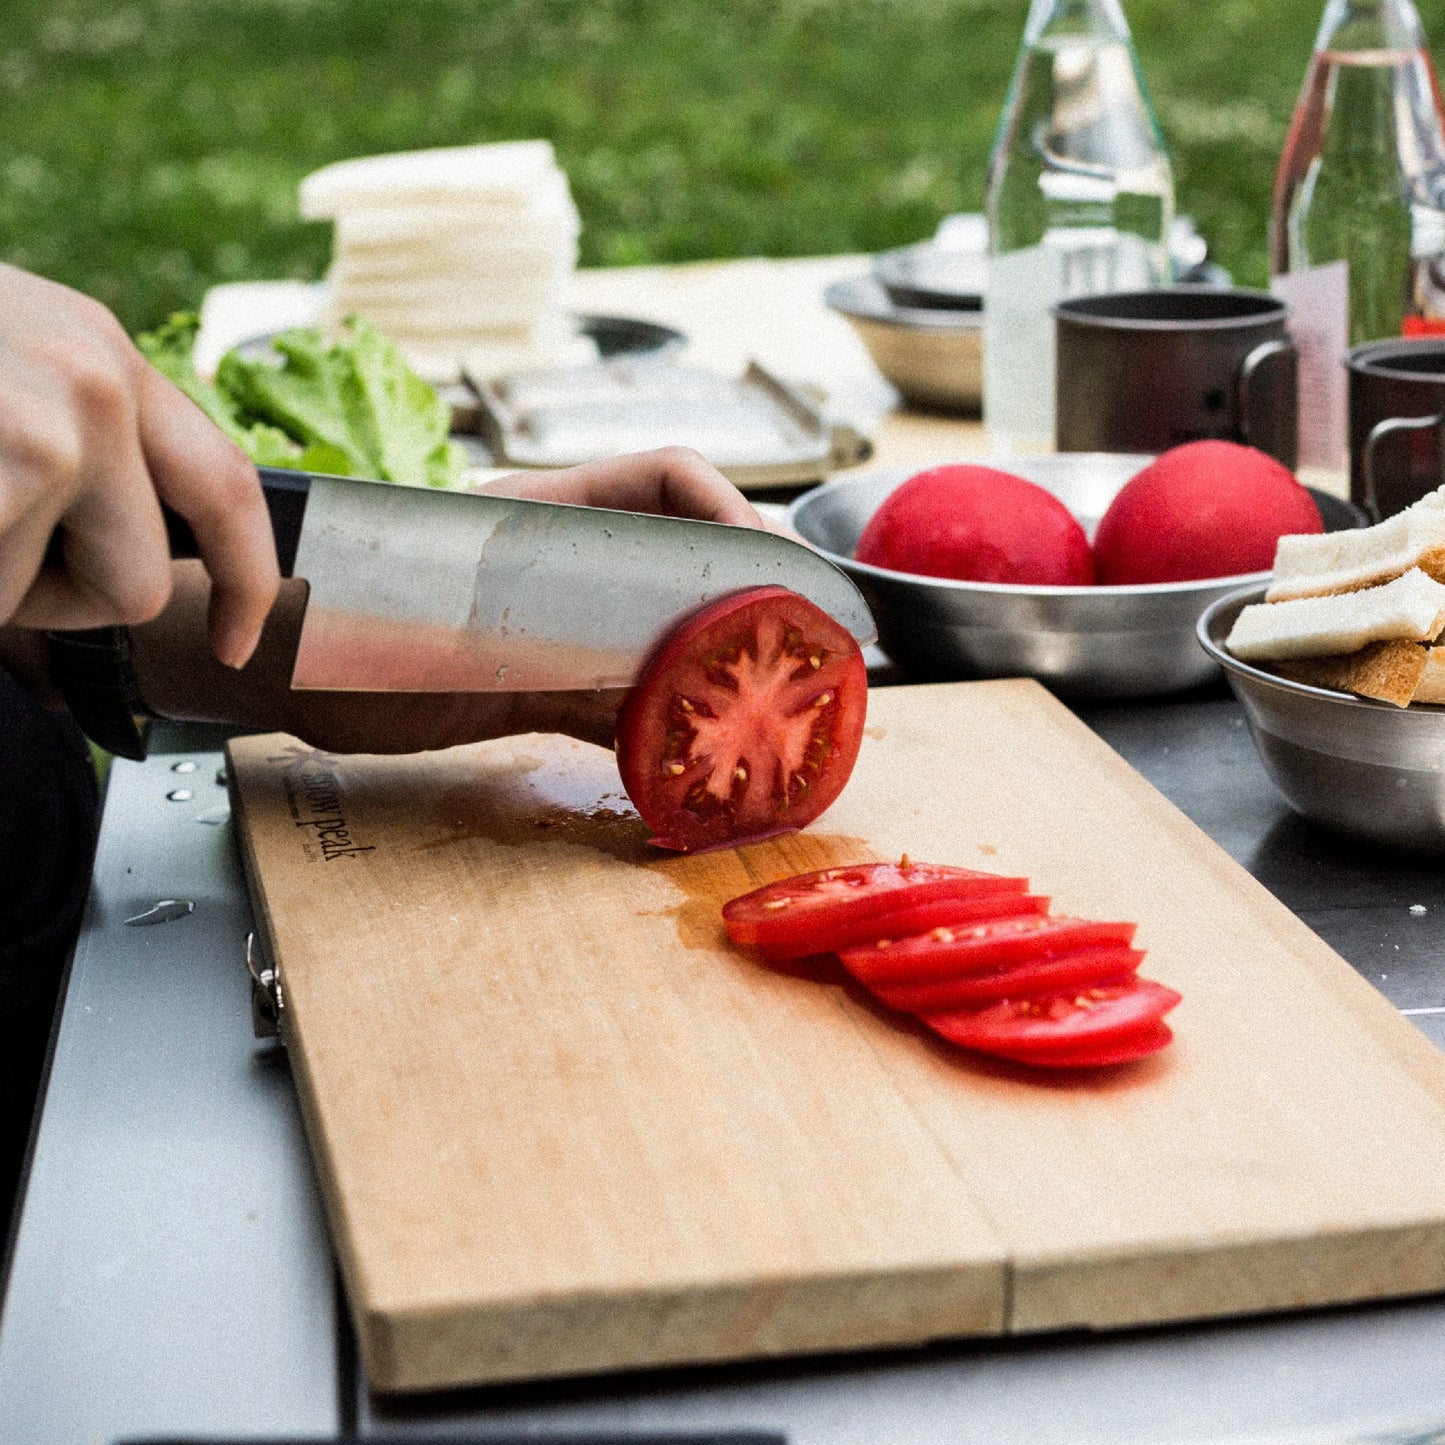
(1397, 423)
(1143, 371)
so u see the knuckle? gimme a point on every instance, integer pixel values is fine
(683, 459)
(100, 384)
(230, 487)
(41, 449)
(142, 597)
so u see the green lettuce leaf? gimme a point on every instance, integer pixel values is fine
(352, 407)
(168, 348)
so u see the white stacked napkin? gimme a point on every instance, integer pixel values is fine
(462, 255)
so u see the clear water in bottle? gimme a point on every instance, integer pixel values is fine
(1080, 200)
(1362, 180)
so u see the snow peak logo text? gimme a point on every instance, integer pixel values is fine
(314, 799)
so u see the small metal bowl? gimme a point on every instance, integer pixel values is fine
(1085, 643)
(933, 355)
(1361, 767)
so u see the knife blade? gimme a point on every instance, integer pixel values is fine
(413, 590)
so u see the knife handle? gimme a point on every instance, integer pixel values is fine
(285, 493)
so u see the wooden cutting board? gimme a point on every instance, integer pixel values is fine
(562, 1126)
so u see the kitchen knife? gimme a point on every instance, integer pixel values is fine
(413, 590)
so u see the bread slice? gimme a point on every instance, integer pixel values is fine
(1409, 609)
(1388, 671)
(1321, 563)
(502, 172)
(1431, 686)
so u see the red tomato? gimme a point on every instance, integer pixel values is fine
(745, 723)
(835, 907)
(1034, 979)
(944, 953)
(1149, 1039)
(1066, 1030)
(977, 524)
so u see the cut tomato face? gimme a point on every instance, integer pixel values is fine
(1041, 977)
(1065, 1029)
(834, 908)
(947, 952)
(745, 723)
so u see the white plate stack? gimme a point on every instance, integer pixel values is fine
(461, 255)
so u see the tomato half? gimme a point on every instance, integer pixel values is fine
(836, 907)
(1066, 1029)
(1036, 978)
(947, 952)
(745, 722)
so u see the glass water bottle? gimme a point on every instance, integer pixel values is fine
(1080, 200)
(1357, 225)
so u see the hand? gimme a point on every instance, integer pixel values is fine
(178, 680)
(92, 439)
(670, 482)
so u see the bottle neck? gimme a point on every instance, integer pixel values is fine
(1350, 25)
(1098, 19)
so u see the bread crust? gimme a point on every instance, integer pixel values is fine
(1387, 671)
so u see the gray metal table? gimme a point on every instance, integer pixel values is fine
(171, 1272)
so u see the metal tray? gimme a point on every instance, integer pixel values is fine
(756, 429)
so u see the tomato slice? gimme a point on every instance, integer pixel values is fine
(1034, 979)
(829, 936)
(945, 952)
(745, 722)
(1148, 1039)
(837, 907)
(1065, 1028)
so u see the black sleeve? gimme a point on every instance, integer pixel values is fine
(48, 814)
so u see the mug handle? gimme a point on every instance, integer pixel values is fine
(1389, 427)
(1281, 440)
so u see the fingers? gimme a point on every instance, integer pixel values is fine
(82, 543)
(672, 482)
(200, 473)
(92, 440)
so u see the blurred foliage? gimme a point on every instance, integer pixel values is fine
(151, 149)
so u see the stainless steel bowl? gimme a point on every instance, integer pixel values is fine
(1086, 643)
(932, 355)
(1365, 768)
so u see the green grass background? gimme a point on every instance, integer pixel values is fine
(151, 149)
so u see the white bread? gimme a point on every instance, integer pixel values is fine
(1317, 564)
(1411, 608)
(500, 172)
(463, 254)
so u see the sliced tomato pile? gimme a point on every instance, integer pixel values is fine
(975, 956)
(746, 721)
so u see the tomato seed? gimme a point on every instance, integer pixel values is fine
(741, 774)
(675, 769)
(823, 699)
(943, 935)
